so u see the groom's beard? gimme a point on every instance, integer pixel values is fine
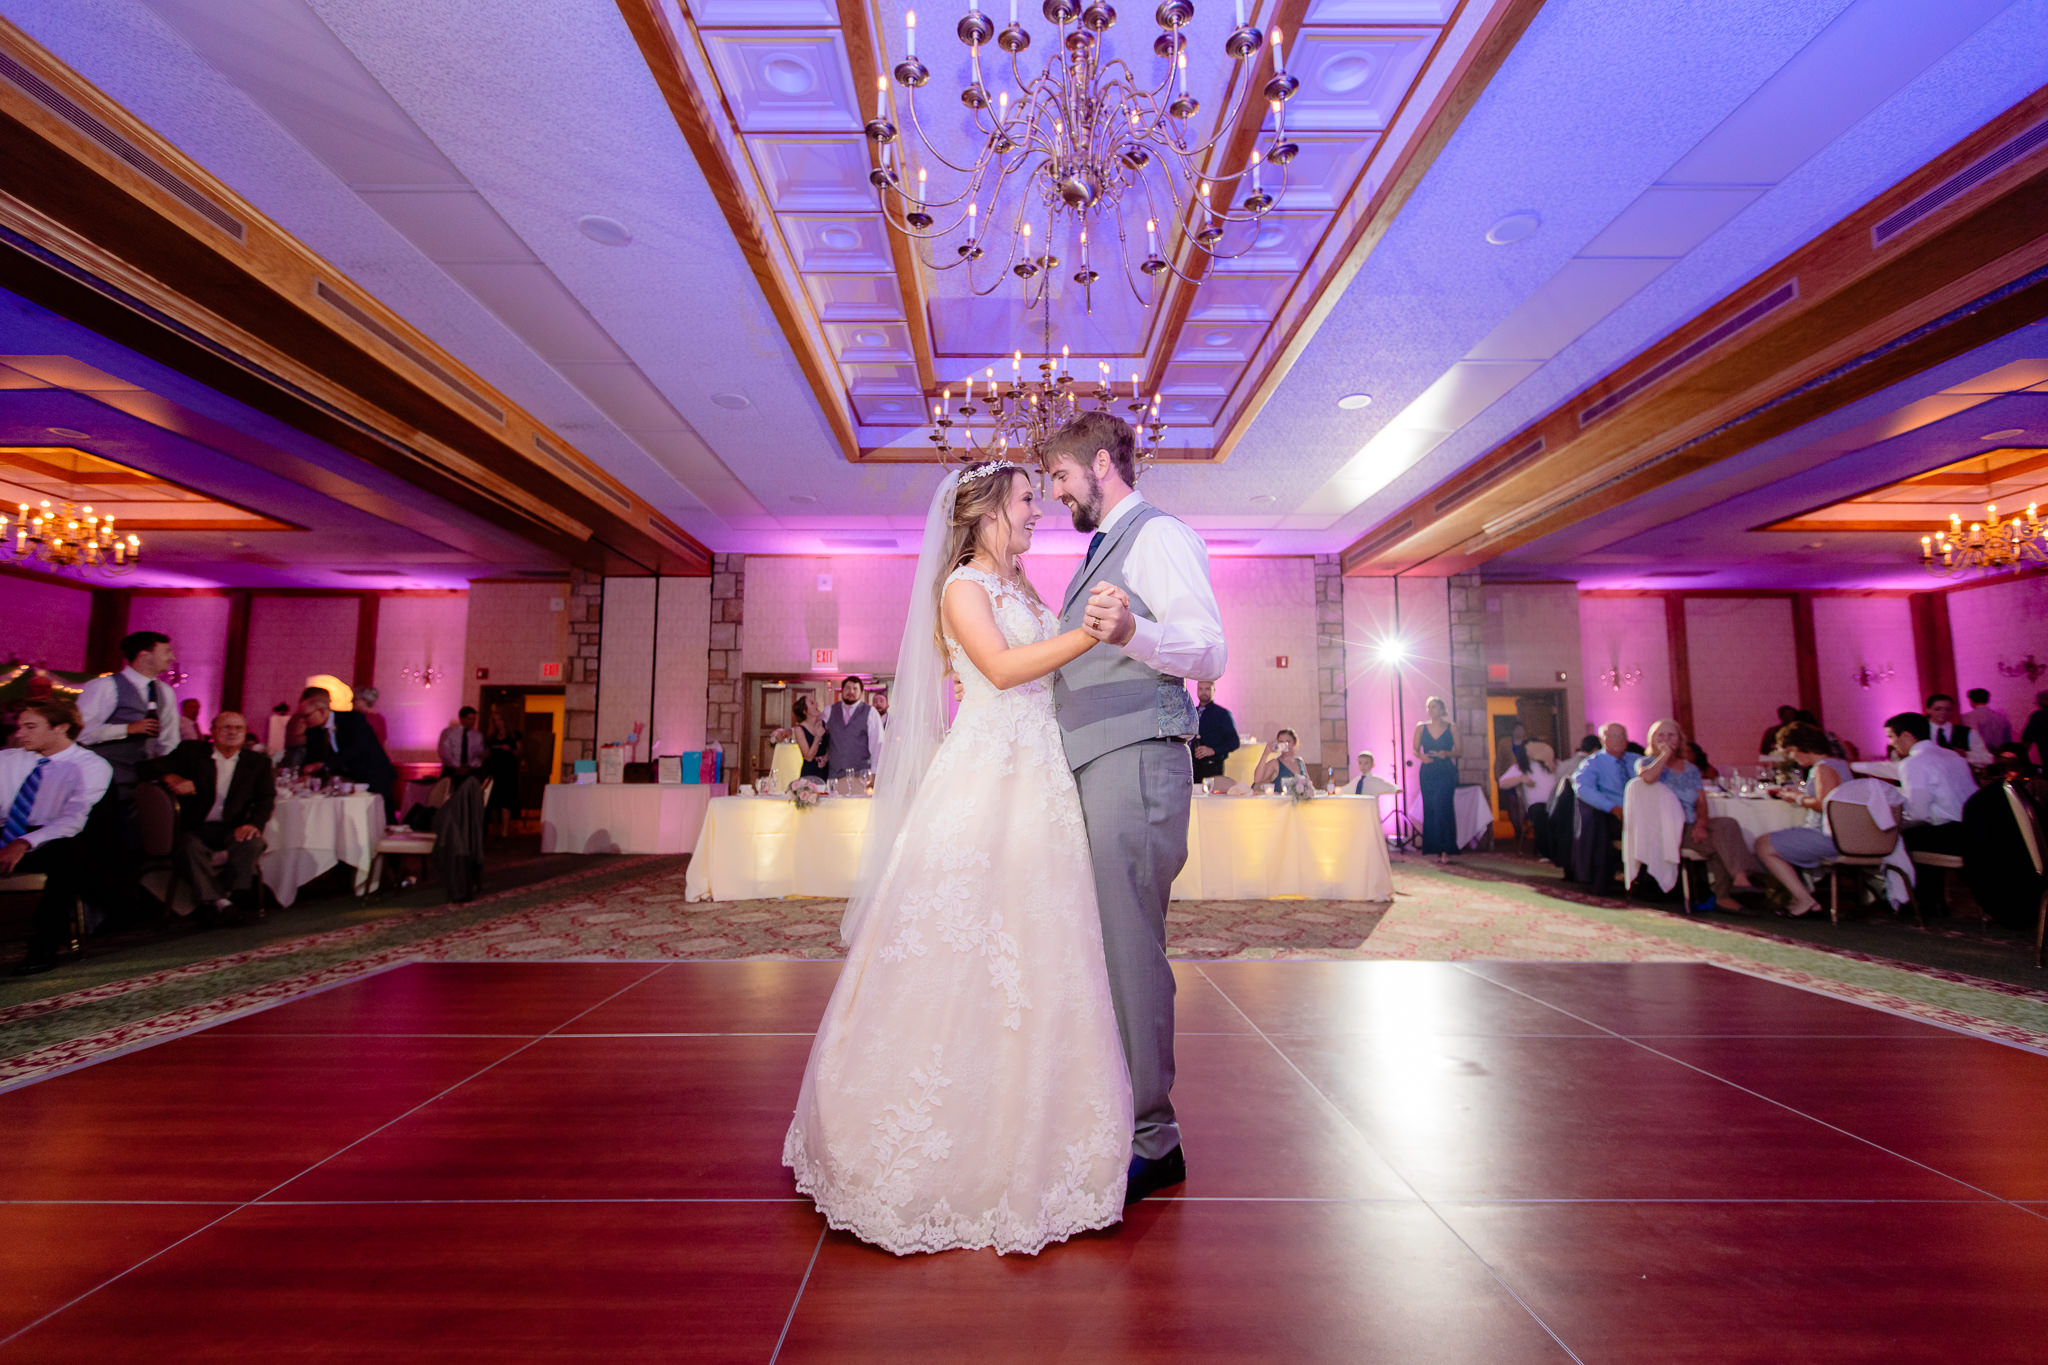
(1088, 510)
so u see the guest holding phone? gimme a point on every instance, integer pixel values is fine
(1279, 760)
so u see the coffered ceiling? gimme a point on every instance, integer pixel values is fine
(648, 222)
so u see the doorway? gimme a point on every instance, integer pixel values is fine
(771, 702)
(535, 716)
(1539, 711)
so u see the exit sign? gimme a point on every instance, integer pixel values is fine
(1280, 662)
(825, 658)
(550, 672)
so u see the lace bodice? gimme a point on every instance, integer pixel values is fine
(1021, 622)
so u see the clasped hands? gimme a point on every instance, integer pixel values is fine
(1108, 615)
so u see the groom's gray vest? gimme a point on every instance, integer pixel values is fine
(1105, 699)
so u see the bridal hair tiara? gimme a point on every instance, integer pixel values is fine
(982, 471)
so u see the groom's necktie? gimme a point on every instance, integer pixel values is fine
(1095, 543)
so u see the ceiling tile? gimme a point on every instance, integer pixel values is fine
(1467, 389)
(1186, 410)
(1581, 293)
(1202, 379)
(889, 410)
(1352, 79)
(2020, 374)
(785, 82)
(1280, 243)
(625, 395)
(880, 379)
(1220, 341)
(814, 173)
(855, 342)
(1240, 298)
(449, 225)
(847, 244)
(1380, 11)
(854, 298)
(1321, 176)
(528, 298)
(1670, 220)
(683, 453)
(764, 13)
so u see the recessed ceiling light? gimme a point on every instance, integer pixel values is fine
(1513, 228)
(604, 231)
(735, 401)
(1263, 497)
(2005, 435)
(803, 497)
(69, 433)
(1352, 402)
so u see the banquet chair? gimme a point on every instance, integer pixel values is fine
(2029, 821)
(1927, 858)
(156, 819)
(412, 843)
(1861, 843)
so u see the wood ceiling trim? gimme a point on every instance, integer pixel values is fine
(1475, 69)
(1853, 303)
(731, 187)
(257, 298)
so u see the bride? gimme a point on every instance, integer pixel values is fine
(967, 1088)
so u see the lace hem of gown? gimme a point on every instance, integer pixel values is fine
(1065, 1210)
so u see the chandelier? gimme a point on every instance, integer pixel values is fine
(425, 677)
(1022, 416)
(1086, 143)
(68, 537)
(1618, 677)
(1865, 675)
(1988, 546)
(2029, 668)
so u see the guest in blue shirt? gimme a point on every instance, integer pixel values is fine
(1598, 785)
(1715, 837)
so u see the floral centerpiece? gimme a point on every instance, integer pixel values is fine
(804, 792)
(1299, 788)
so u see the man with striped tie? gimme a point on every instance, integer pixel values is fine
(48, 785)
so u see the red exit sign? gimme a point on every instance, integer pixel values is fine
(825, 658)
(1280, 662)
(550, 672)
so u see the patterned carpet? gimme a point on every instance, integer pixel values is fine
(633, 908)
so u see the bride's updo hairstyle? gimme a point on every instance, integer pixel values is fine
(983, 492)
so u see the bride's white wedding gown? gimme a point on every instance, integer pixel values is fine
(967, 1087)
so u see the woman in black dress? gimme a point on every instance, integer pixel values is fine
(1437, 749)
(501, 765)
(811, 738)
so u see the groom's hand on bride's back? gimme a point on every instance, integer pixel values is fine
(1108, 617)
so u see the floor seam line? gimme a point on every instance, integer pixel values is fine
(801, 1285)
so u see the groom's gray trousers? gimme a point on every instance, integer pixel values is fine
(1134, 801)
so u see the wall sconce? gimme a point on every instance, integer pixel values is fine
(1617, 677)
(2029, 668)
(1865, 675)
(425, 677)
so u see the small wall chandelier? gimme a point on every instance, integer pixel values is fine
(68, 537)
(1618, 677)
(2029, 668)
(425, 677)
(1988, 546)
(1865, 675)
(1086, 142)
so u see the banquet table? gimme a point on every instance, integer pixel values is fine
(757, 847)
(613, 817)
(1475, 815)
(1239, 848)
(1254, 847)
(309, 834)
(1758, 815)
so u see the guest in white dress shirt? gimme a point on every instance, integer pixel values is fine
(462, 747)
(48, 785)
(130, 717)
(1992, 724)
(1369, 784)
(1946, 729)
(1938, 783)
(188, 721)
(225, 794)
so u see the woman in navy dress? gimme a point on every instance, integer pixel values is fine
(1437, 749)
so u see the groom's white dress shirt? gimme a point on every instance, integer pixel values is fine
(98, 698)
(1169, 568)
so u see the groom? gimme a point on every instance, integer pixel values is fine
(1125, 717)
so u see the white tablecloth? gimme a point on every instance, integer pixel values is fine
(1239, 848)
(1757, 814)
(1253, 847)
(757, 847)
(309, 834)
(613, 817)
(1475, 815)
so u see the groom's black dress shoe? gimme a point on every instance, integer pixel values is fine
(1151, 1174)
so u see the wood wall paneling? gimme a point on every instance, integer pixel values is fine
(1681, 662)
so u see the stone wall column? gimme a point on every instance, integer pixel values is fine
(579, 693)
(1468, 675)
(1332, 690)
(725, 677)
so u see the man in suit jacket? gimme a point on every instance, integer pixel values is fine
(1216, 735)
(342, 744)
(225, 794)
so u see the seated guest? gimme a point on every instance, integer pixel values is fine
(1698, 758)
(1946, 729)
(1532, 779)
(1279, 760)
(366, 704)
(292, 747)
(1767, 745)
(462, 748)
(188, 721)
(1938, 784)
(1810, 845)
(48, 785)
(341, 744)
(2033, 740)
(1715, 837)
(1987, 720)
(1367, 784)
(225, 793)
(1599, 785)
(1216, 733)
